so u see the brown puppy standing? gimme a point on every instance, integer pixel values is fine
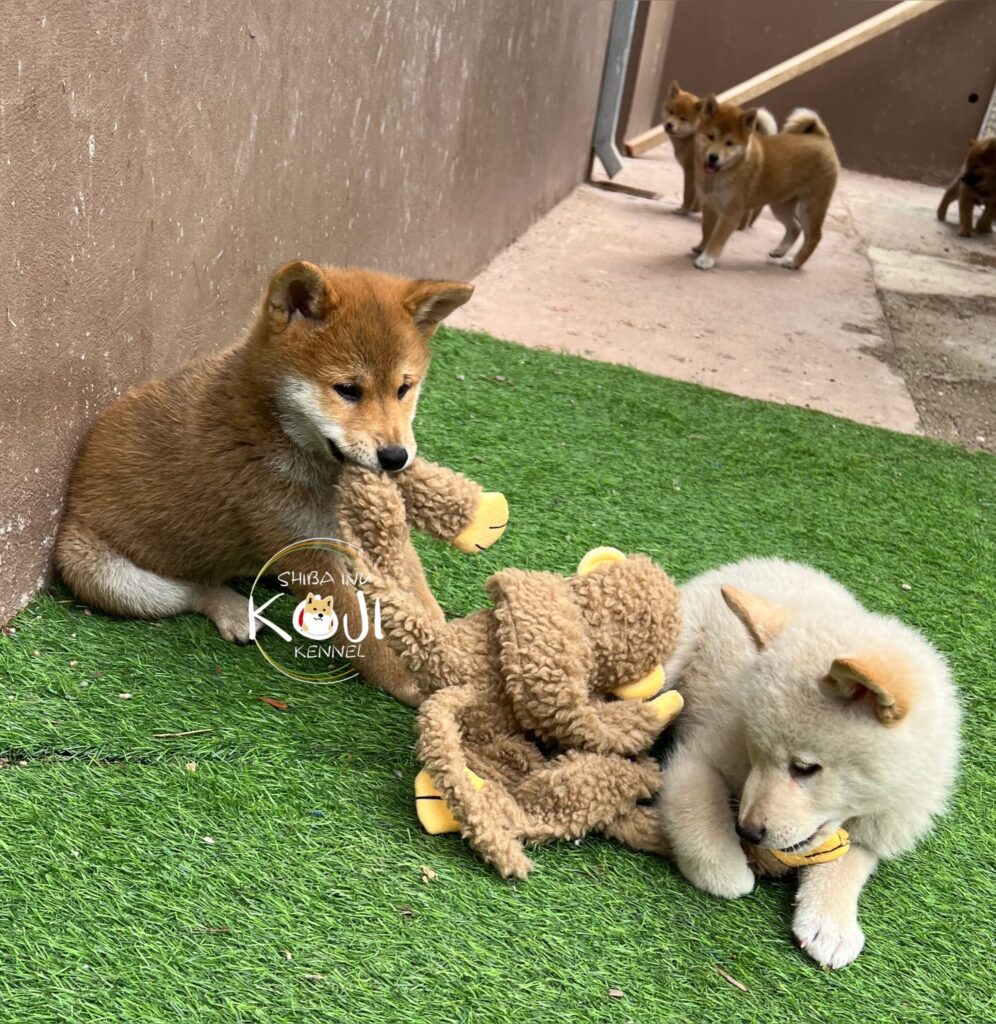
(738, 168)
(975, 183)
(192, 480)
(680, 117)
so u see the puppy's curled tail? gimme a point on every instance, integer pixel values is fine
(766, 123)
(805, 122)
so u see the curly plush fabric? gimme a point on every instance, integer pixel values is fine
(521, 694)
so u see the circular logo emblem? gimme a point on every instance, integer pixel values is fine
(302, 616)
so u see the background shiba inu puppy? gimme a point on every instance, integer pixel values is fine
(810, 713)
(192, 480)
(738, 168)
(974, 184)
(680, 118)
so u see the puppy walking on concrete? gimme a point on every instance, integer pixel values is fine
(739, 168)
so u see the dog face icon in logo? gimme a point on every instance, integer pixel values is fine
(314, 617)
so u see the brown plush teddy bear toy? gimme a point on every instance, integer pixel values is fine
(540, 708)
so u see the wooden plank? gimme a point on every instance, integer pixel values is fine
(801, 63)
(828, 50)
(639, 144)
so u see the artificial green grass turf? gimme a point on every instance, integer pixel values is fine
(112, 908)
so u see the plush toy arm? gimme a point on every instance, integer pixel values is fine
(617, 727)
(437, 653)
(490, 820)
(547, 663)
(372, 517)
(579, 792)
(639, 827)
(449, 506)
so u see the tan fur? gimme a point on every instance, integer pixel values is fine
(763, 619)
(886, 678)
(794, 172)
(975, 184)
(191, 480)
(521, 693)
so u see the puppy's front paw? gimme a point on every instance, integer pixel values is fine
(228, 610)
(789, 263)
(487, 526)
(729, 879)
(964, 232)
(831, 941)
(705, 262)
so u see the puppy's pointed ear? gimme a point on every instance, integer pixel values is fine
(972, 142)
(883, 681)
(297, 289)
(763, 619)
(708, 106)
(749, 119)
(673, 89)
(310, 596)
(431, 302)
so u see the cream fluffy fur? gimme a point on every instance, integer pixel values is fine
(751, 714)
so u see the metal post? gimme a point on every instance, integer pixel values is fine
(613, 77)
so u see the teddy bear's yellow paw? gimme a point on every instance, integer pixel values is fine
(650, 690)
(433, 811)
(668, 705)
(486, 527)
(833, 848)
(643, 689)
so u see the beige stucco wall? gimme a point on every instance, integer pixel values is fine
(157, 160)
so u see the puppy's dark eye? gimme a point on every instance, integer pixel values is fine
(798, 770)
(350, 392)
(711, 138)
(403, 390)
(729, 142)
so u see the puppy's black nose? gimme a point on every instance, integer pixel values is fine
(753, 834)
(393, 457)
(713, 158)
(669, 127)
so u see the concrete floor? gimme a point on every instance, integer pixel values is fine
(892, 322)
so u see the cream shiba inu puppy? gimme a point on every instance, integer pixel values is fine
(804, 713)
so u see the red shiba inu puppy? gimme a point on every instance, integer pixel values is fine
(975, 184)
(680, 117)
(192, 480)
(738, 168)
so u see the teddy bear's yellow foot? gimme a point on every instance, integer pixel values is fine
(647, 688)
(833, 848)
(433, 811)
(668, 705)
(650, 689)
(486, 527)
